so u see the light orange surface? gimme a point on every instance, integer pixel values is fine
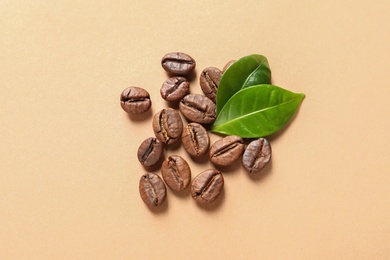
(68, 167)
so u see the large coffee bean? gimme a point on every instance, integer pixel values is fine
(195, 139)
(209, 80)
(178, 63)
(228, 65)
(227, 150)
(207, 186)
(152, 189)
(176, 172)
(135, 100)
(257, 155)
(150, 151)
(198, 108)
(167, 125)
(174, 89)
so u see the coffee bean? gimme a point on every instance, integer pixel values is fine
(174, 88)
(152, 189)
(198, 108)
(167, 125)
(195, 139)
(176, 172)
(228, 65)
(209, 80)
(227, 150)
(150, 151)
(178, 63)
(206, 187)
(135, 100)
(257, 155)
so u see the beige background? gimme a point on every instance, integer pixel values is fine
(68, 168)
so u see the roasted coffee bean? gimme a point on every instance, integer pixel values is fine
(227, 150)
(228, 65)
(209, 80)
(150, 151)
(176, 172)
(135, 100)
(152, 189)
(195, 139)
(206, 187)
(256, 155)
(167, 125)
(174, 89)
(198, 108)
(178, 63)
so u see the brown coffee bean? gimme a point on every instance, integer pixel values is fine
(178, 63)
(227, 150)
(135, 100)
(167, 125)
(198, 108)
(228, 65)
(174, 89)
(195, 139)
(207, 186)
(152, 189)
(257, 155)
(176, 172)
(150, 151)
(209, 80)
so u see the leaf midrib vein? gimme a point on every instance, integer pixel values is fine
(255, 112)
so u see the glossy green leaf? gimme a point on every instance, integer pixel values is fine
(245, 72)
(257, 111)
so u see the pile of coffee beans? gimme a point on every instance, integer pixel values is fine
(168, 128)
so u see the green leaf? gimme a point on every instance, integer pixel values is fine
(245, 72)
(257, 111)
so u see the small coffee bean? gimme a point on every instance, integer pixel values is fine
(167, 125)
(174, 88)
(152, 189)
(227, 150)
(256, 155)
(135, 100)
(207, 186)
(209, 80)
(176, 172)
(198, 108)
(195, 139)
(228, 65)
(150, 151)
(178, 63)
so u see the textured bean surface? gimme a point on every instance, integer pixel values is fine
(257, 155)
(135, 100)
(207, 186)
(227, 150)
(174, 88)
(209, 80)
(176, 172)
(167, 125)
(150, 151)
(195, 139)
(198, 108)
(178, 63)
(152, 189)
